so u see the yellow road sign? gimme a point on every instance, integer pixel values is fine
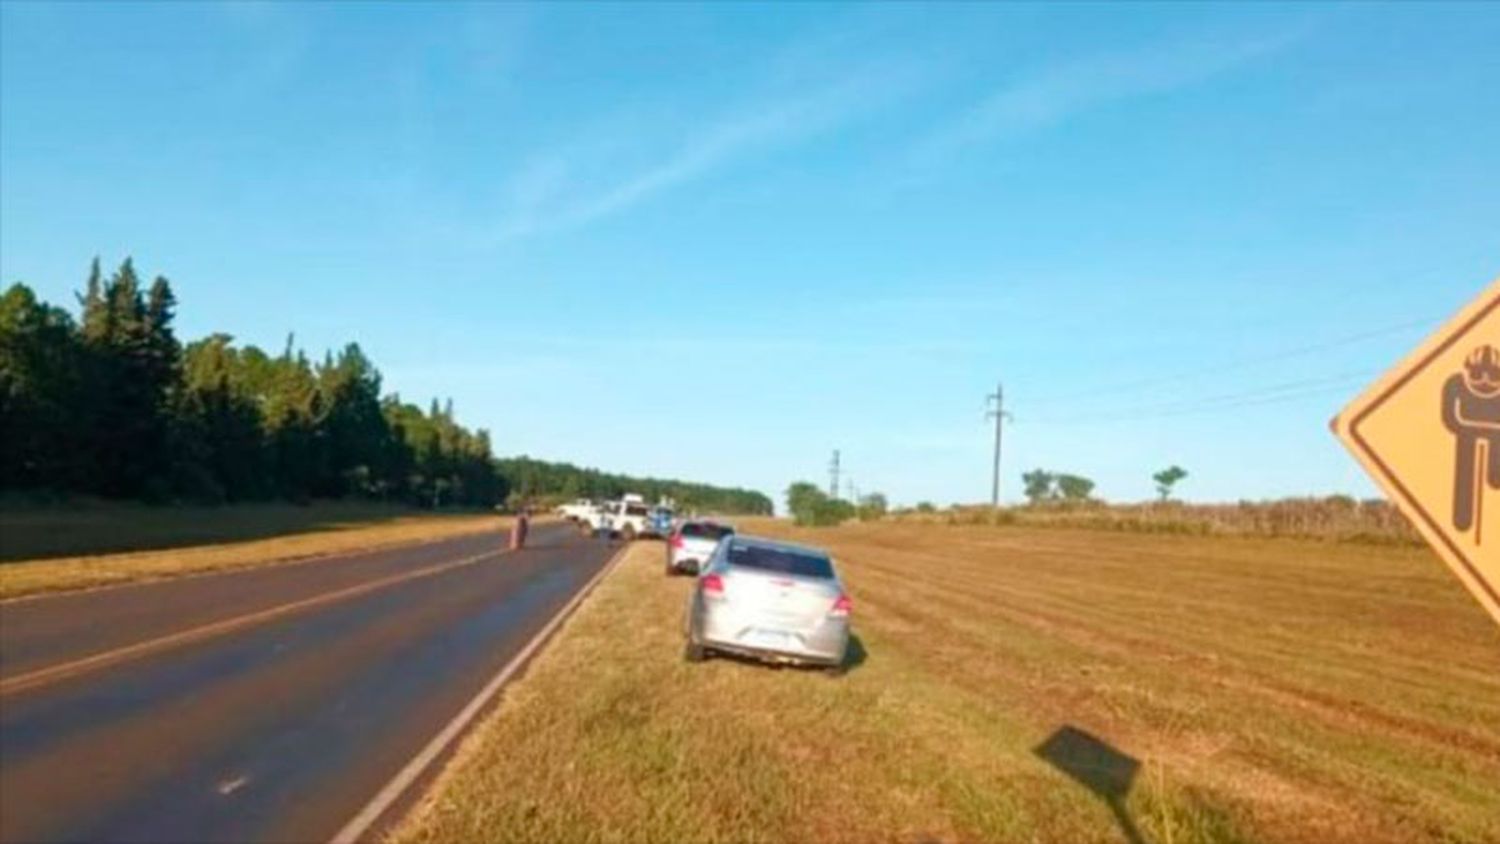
(1429, 433)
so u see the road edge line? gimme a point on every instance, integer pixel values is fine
(397, 786)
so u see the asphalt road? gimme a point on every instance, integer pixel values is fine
(267, 705)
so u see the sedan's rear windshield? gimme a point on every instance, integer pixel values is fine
(795, 563)
(697, 530)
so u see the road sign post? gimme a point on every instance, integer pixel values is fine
(1428, 432)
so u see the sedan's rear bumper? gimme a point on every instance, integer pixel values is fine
(721, 630)
(769, 655)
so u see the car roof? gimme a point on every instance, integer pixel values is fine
(746, 540)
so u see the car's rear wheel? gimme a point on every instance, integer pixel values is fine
(694, 652)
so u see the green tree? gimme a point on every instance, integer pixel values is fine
(41, 389)
(1074, 488)
(1040, 485)
(873, 507)
(811, 506)
(95, 313)
(219, 436)
(352, 429)
(134, 363)
(115, 405)
(1168, 478)
(803, 500)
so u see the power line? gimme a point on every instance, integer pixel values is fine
(1232, 398)
(1273, 394)
(1246, 362)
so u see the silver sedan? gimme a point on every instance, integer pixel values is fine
(769, 600)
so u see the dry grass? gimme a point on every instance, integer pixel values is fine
(1269, 690)
(1335, 518)
(286, 534)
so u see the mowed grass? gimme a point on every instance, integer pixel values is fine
(60, 549)
(1014, 685)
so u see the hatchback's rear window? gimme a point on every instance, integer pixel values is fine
(698, 530)
(783, 562)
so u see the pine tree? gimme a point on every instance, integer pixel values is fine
(95, 310)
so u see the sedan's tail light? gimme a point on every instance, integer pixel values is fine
(842, 607)
(712, 585)
(676, 540)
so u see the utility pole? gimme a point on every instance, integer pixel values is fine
(999, 414)
(833, 476)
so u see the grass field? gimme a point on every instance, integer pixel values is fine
(1014, 684)
(1335, 518)
(57, 549)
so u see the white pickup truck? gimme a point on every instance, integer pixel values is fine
(626, 519)
(576, 510)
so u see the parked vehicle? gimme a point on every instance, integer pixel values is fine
(576, 510)
(690, 546)
(624, 519)
(769, 600)
(660, 521)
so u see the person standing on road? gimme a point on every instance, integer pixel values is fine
(519, 530)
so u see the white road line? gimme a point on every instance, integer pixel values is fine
(43, 676)
(413, 770)
(229, 787)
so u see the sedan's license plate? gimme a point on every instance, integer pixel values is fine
(773, 639)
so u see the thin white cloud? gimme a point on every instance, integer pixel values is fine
(1054, 94)
(549, 194)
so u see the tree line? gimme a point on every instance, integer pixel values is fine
(811, 506)
(1042, 486)
(111, 403)
(533, 480)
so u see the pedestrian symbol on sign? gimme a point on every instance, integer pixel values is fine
(1471, 410)
(1428, 432)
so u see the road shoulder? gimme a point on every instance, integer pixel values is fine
(29, 579)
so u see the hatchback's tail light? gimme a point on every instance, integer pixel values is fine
(676, 540)
(712, 585)
(842, 607)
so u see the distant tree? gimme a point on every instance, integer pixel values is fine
(925, 507)
(1168, 478)
(95, 312)
(810, 506)
(834, 511)
(219, 450)
(134, 370)
(1074, 488)
(114, 405)
(42, 363)
(873, 507)
(803, 500)
(1039, 485)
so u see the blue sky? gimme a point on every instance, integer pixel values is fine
(717, 242)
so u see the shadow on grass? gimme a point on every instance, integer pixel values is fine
(854, 657)
(1094, 764)
(35, 533)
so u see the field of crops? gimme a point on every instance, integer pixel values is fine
(1015, 684)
